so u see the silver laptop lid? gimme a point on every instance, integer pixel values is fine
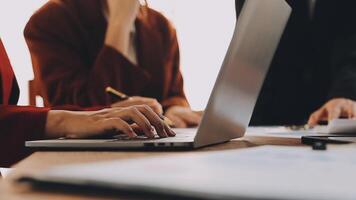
(255, 40)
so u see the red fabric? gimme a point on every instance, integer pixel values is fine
(73, 66)
(78, 108)
(5, 68)
(17, 124)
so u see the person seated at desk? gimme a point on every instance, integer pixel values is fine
(80, 47)
(22, 123)
(314, 66)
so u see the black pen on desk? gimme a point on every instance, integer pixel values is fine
(122, 96)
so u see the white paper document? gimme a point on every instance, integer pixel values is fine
(285, 132)
(270, 131)
(269, 172)
(342, 126)
(4, 172)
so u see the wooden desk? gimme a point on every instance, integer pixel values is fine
(42, 160)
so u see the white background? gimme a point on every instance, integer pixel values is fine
(204, 30)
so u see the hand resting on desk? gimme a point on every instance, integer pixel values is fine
(333, 109)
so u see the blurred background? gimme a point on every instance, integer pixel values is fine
(204, 29)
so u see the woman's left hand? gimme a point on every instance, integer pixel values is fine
(183, 117)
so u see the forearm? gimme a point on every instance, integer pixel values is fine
(54, 124)
(62, 123)
(118, 37)
(121, 18)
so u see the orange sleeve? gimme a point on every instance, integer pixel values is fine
(65, 75)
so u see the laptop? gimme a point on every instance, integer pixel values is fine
(257, 33)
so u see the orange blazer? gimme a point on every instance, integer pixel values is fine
(73, 66)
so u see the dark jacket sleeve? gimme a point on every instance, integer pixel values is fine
(17, 125)
(344, 73)
(344, 69)
(67, 76)
(343, 55)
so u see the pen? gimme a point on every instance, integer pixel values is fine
(116, 94)
(122, 96)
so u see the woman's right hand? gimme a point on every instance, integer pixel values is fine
(84, 124)
(123, 12)
(121, 18)
(137, 100)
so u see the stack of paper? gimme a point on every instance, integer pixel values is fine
(263, 173)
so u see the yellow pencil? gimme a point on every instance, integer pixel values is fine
(116, 94)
